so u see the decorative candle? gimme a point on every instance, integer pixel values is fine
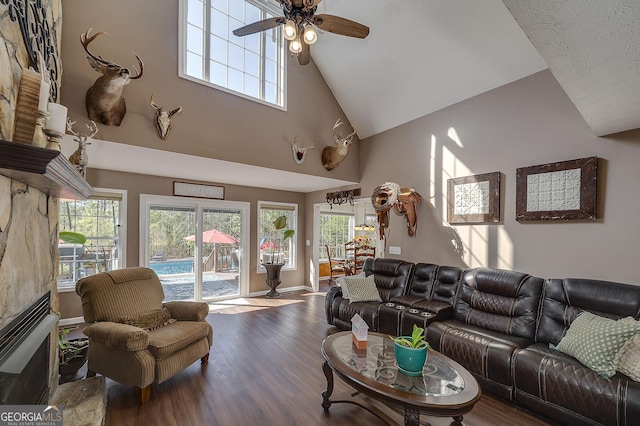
(57, 118)
(43, 100)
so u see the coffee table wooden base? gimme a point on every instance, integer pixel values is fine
(411, 415)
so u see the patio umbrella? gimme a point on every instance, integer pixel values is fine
(213, 236)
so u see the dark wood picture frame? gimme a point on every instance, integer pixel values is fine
(491, 212)
(549, 204)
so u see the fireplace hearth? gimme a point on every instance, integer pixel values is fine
(24, 355)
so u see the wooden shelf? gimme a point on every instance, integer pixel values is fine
(45, 169)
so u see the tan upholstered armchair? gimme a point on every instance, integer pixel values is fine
(161, 343)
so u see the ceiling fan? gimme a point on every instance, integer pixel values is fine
(299, 19)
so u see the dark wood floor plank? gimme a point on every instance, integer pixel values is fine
(265, 369)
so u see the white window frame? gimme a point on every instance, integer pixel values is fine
(265, 5)
(122, 234)
(292, 265)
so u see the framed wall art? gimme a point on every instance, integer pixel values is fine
(185, 189)
(557, 191)
(474, 199)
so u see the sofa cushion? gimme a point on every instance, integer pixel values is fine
(166, 340)
(499, 300)
(391, 276)
(346, 310)
(627, 360)
(485, 353)
(595, 341)
(551, 382)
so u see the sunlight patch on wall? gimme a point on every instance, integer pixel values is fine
(453, 135)
(505, 249)
(432, 172)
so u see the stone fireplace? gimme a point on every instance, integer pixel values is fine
(28, 216)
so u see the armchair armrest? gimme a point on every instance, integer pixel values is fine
(118, 336)
(333, 293)
(188, 311)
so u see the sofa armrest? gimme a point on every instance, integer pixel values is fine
(118, 336)
(332, 294)
(443, 311)
(188, 311)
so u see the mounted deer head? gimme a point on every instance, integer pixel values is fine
(104, 100)
(333, 155)
(162, 119)
(79, 158)
(299, 153)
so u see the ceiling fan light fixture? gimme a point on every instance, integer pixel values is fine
(310, 36)
(295, 46)
(290, 32)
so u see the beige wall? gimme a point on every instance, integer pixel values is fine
(525, 123)
(213, 123)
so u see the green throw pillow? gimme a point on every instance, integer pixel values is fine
(362, 289)
(595, 341)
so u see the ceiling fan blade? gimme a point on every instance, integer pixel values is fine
(305, 55)
(342, 26)
(256, 27)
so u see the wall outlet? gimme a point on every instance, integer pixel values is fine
(308, 243)
(395, 250)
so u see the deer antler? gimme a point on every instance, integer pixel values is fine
(92, 127)
(100, 64)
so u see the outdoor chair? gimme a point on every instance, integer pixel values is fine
(135, 338)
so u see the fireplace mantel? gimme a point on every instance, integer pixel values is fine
(45, 169)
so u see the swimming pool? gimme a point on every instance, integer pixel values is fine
(169, 267)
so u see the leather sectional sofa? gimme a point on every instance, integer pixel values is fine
(499, 325)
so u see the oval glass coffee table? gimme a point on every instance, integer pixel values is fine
(445, 389)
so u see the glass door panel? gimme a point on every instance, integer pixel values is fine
(221, 252)
(172, 255)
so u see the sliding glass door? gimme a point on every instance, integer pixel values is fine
(195, 246)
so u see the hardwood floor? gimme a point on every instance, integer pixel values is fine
(265, 369)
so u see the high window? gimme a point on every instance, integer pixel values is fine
(252, 66)
(100, 219)
(271, 246)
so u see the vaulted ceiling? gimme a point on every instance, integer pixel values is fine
(424, 55)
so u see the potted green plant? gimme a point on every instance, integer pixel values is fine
(411, 351)
(72, 353)
(275, 264)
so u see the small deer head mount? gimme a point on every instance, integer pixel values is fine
(333, 155)
(299, 153)
(104, 100)
(162, 119)
(79, 158)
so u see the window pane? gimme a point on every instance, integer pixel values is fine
(194, 65)
(251, 13)
(218, 73)
(233, 25)
(194, 39)
(271, 47)
(270, 93)
(218, 50)
(252, 42)
(235, 80)
(236, 57)
(272, 248)
(219, 23)
(270, 71)
(221, 5)
(195, 12)
(251, 63)
(251, 86)
(236, 9)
